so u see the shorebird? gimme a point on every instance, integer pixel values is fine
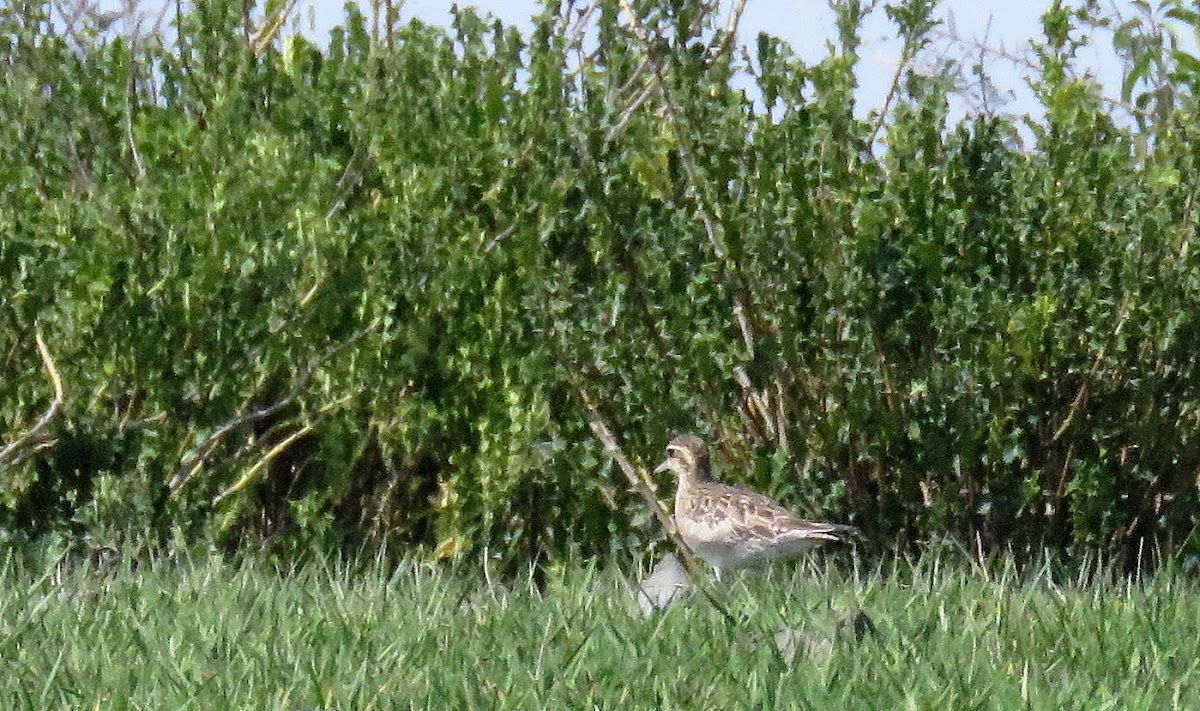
(730, 527)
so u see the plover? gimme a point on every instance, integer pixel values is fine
(730, 527)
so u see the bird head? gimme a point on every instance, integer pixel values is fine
(687, 458)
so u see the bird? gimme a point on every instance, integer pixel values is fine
(730, 527)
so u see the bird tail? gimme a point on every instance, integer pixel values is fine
(839, 531)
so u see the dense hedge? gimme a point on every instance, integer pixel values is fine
(351, 294)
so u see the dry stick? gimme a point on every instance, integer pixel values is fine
(637, 478)
(260, 464)
(188, 469)
(269, 435)
(1061, 490)
(1075, 405)
(980, 557)
(270, 28)
(642, 483)
(51, 412)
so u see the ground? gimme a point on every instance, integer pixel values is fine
(211, 633)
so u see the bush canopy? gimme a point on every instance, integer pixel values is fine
(257, 289)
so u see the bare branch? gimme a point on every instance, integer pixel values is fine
(639, 479)
(32, 449)
(187, 469)
(907, 54)
(351, 178)
(635, 77)
(1082, 395)
(12, 449)
(129, 137)
(261, 463)
(71, 17)
(645, 487)
(729, 38)
(266, 33)
(628, 113)
(757, 403)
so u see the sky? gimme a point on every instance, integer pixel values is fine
(808, 24)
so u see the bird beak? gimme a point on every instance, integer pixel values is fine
(666, 465)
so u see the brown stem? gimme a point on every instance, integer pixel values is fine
(14, 447)
(188, 468)
(638, 479)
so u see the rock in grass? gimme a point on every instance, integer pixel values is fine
(667, 583)
(792, 639)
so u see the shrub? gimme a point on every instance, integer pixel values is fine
(350, 294)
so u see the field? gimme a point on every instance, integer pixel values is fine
(215, 634)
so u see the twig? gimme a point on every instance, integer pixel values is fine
(270, 28)
(756, 403)
(1066, 423)
(130, 87)
(1026, 63)
(51, 412)
(638, 478)
(907, 53)
(629, 111)
(983, 567)
(350, 179)
(1061, 490)
(714, 230)
(500, 237)
(70, 20)
(1082, 394)
(781, 418)
(261, 463)
(731, 28)
(633, 78)
(274, 430)
(186, 470)
(642, 483)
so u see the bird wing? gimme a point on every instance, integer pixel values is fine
(757, 515)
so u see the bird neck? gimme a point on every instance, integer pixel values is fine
(684, 491)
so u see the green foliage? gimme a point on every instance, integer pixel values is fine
(351, 294)
(220, 634)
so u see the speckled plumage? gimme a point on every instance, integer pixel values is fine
(730, 527)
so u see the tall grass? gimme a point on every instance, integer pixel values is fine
(214, 634)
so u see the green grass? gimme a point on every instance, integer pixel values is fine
(215, 634)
